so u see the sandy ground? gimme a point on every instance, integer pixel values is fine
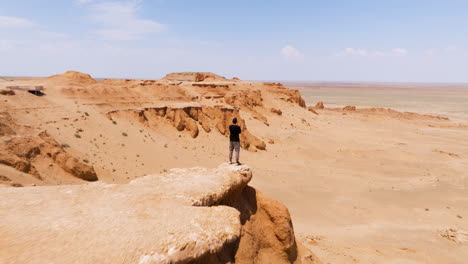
(361, 187)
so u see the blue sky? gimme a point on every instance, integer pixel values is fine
(394, 40)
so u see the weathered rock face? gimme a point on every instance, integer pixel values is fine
(193, 77)
(349, 108)
(19, 164)
(185, 216)
(319, 105)
(249, 100)
(276, 111)
(22, 152)
(7, 92)
(295, 97)
(267, 234)
(190, 117)
(312, 109)
(245, 98)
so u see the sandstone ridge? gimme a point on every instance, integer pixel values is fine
(194, 77)
(183, 216)
(188, 117)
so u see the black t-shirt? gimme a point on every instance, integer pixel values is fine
(234, 131)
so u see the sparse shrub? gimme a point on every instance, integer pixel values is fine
(86, 161)
(79, 130)
(86, 113)
(124, 134)
(65, 145)
(77, 135)
(114, 122)
(165, 145)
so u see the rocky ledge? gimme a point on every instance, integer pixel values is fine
(184, 216)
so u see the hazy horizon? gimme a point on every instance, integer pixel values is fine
(337, 41)
(285, 81)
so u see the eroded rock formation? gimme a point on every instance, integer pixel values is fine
(319, 105)
(21, 152)
(189, 117)
(184, 216)
(349, 108)
(193, 77)
(7, 92)
(276, 111)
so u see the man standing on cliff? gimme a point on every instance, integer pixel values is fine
(234, 141)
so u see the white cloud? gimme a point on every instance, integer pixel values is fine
(9, 21)
(399, 52)
(367, 53)
(290, 53)
(121, 21)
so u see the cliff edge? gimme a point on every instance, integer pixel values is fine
(184, 216)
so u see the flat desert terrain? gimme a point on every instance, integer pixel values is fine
(376, 173)
(374, 187)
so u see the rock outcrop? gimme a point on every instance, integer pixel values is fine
(295, 97)
(184, 216)
(7, 92)
(188, 117)
(276, 111)
(194, 77)
(22, 152)
(319, 105)
(349, 108)
(312, 109)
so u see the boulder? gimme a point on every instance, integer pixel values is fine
(184, 216)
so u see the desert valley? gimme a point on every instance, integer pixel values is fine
(135, 171)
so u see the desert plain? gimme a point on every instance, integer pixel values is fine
(369, 172)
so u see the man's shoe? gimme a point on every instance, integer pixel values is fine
(238, 163)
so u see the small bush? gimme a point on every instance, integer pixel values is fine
(114, 122)
(86, 113)
(77, 135)
(86, 161)
(65, 145)
(124, 134)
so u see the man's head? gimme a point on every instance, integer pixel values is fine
(234, 121)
